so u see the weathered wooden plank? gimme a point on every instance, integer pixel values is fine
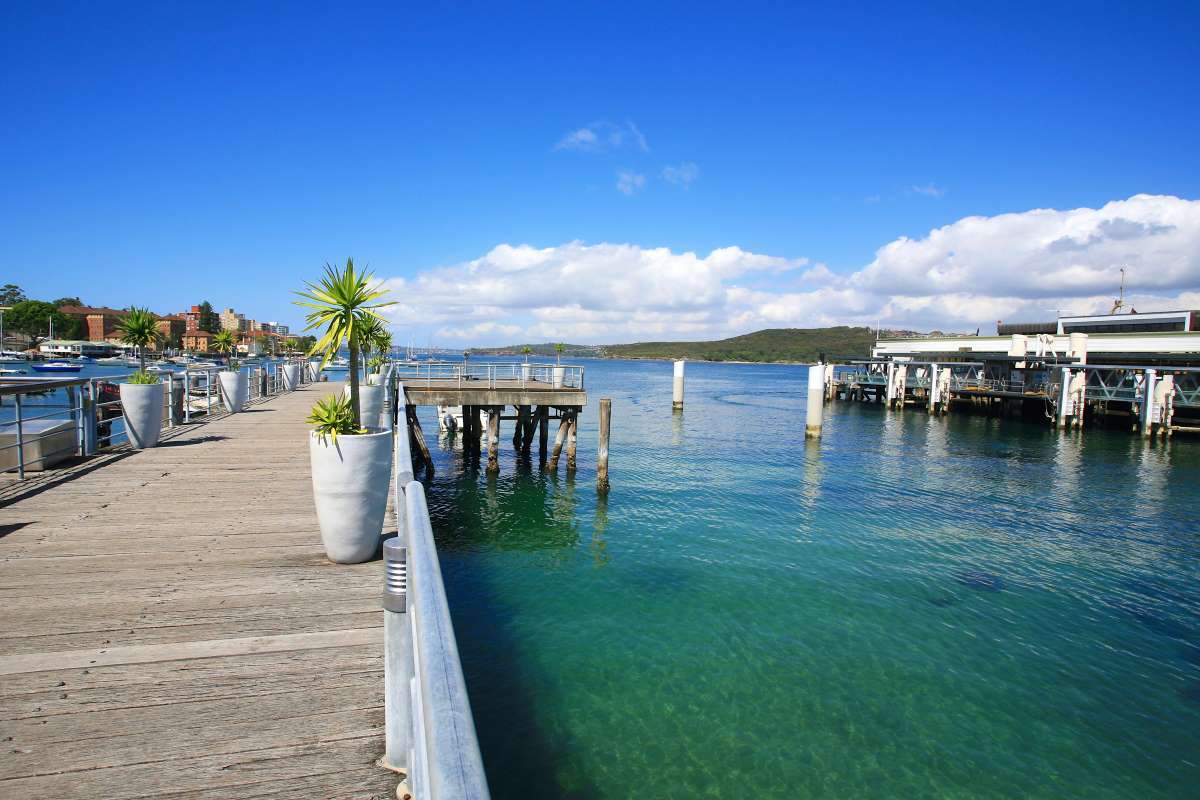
(161, 640)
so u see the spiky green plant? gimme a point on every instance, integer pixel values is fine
(143, 378)
(226, 342)
(140, 329)
(558, 351)
(341, 303)
(526, 350)
(333, 416)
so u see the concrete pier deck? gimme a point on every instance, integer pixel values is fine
(171, 627)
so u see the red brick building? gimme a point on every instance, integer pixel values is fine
(101, 322)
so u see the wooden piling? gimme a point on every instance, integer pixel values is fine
(602, 454)
(493, 439)
(524, 424)
(418, 436)
(543, 431)
(531, 425)
(564, 423)
(571, 439)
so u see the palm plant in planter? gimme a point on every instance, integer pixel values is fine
(526, 370)
(351, 462)
(558, 370)
(142, 395)
(234, 382)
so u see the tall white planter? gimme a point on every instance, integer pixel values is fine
(558, 377)
(351, 479)
(234, 390)
(143, 407)
(291, 376)
(370, 405)
(314, 371)
(526, 372)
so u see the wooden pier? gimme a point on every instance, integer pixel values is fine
(171, 626)
(537, 393)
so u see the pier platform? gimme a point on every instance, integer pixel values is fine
(171, 626)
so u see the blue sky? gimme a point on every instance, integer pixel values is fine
(165, 154)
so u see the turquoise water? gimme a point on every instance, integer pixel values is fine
(913, 607)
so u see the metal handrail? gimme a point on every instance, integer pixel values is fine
(429, 725)
(566, 376)
(96, 430)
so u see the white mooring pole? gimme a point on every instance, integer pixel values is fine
(816, 395)
(677, 393)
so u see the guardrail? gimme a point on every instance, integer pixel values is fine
(430, 731)
(557, 376)
(91, 418)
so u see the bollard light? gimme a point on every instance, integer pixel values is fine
(395, 576)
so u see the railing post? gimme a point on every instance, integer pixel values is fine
(20, 440)
(397, 648)
(89, 420)
(170, 400)
(187, 395)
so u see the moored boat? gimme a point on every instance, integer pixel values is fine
(56, 366)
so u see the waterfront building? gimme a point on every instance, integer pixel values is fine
(172, 327)
(200, 318)
(233, 321)
(197, 341)
(282, 330)
(76, 348)
(101, 322)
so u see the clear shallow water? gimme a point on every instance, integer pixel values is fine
(913, 607)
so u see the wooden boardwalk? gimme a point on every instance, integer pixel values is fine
(170, 627)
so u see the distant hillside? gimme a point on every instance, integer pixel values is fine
(544, 349)
(774, 344)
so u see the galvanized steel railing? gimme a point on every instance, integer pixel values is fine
(188, 393)
(429, 726)
(491, 375)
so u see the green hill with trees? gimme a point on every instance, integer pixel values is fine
(773, 344)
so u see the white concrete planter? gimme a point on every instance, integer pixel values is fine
(526, 372)
(314, 371)
(291, 376)
(558, 377)
(370, 405)
(373, 379)
(143, 407)
(350, 486)
(235, 388)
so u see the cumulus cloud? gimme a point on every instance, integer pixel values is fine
(962, 276)
(683, 175)
(629, 182)
(601, 136)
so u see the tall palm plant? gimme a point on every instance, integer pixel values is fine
(526, 350)
(139, 328)
(558, 351)
(225, 342)
(341, 303)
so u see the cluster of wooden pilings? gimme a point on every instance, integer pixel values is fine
(530, 422)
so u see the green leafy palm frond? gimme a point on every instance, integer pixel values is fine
(340, 302)
(332, 416)
(224, 341)
(139, 328)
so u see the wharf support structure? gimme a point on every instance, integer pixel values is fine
(1068, 382)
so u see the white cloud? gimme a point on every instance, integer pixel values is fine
(629, 182)
(683, 175)
(872, 199)
(929, 190)
(582, 139)
(962, 276)
(601, 136)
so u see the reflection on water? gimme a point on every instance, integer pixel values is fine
(957, 606)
